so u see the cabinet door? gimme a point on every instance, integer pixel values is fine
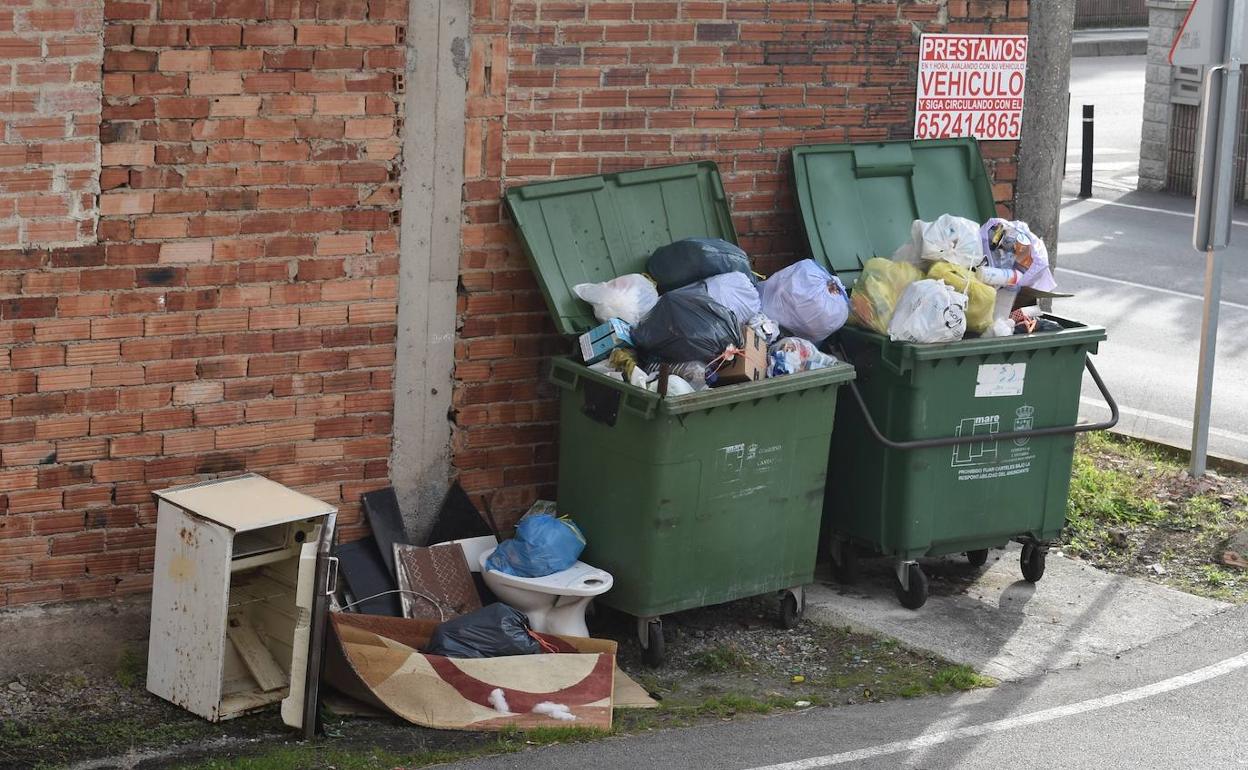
(190, 591)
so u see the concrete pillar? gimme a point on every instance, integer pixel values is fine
(1164, 19)
(429, 245)
(1042, 152)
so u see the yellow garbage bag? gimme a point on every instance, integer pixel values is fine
(982, 297)
(877, 290)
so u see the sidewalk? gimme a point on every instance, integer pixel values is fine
(1125, 41)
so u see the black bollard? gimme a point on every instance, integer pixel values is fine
(1085, 181)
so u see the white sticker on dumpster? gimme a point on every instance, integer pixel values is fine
(1000, 380)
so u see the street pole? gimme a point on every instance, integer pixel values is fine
(1212, 231)
(1208, 344)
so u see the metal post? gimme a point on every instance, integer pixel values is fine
(1212, 228)
(1208, 343)
(1085, 181)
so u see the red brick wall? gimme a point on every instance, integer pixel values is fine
(569, 87)
(238, 312)
(49, 119)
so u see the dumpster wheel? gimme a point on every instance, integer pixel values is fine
(650, 636)
(845, 563)
(792, 607)
(978, 557)
(1031, 559)
(913, 593)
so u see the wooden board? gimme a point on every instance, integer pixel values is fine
(386, 521)
(365, 574)
(256, 657)
(245, 502)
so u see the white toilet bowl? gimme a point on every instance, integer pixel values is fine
(555, 604)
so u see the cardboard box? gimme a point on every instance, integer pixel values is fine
(598, 342)
(748, 366)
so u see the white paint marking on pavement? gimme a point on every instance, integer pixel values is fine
(1168, 420)
(1037, 717)
(1149, 209)
(1185, 295)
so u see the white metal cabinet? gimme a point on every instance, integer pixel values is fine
(233, 595)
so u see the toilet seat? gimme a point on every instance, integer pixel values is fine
(580, 579)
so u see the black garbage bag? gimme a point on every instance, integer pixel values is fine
(686, 325)
(695, 259)
(490, 632)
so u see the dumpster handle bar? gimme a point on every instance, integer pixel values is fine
(934, 443)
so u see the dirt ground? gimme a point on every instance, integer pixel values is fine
(1134, 510)
(724, 662)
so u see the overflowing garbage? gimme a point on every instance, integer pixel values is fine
(701, 318)
(712, 321)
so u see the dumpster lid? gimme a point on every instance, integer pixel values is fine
(857, 201)
(595, 228)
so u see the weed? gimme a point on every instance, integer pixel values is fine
(721, 658)
(1216, 576)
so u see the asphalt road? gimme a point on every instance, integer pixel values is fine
(1108, 714)
(1114, 86)
(1128, 258)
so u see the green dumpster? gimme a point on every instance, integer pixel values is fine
(948, 448)
(689, 500)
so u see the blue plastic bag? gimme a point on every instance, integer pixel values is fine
(544, 544)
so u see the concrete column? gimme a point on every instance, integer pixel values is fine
(1042, 152)
(1164, 19)
(429, 246)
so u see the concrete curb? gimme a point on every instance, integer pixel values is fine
(1130, 42)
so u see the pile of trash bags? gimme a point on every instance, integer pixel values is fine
(700, 317)
(953, 279)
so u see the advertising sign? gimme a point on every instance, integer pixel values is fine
(971, 85)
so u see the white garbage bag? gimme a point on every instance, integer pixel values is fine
(807, 300)
(627, 298)
(736, 292)
(1015, 256)
(949, 238)
(929, 311)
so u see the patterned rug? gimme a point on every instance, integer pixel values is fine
(377, 660)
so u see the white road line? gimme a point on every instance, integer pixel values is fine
(1037, 717)
(1150, 209)
(1185, 295)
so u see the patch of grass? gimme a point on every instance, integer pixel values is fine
(959, 678)
(1217, 577)
(131, 667)
(313, 756)
(721, 658)
(1132, 506)
(55, 742)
